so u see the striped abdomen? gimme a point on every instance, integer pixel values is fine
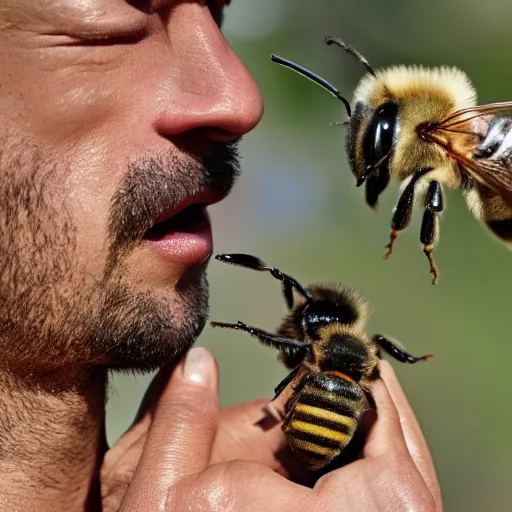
(490, 208)
(324, 418)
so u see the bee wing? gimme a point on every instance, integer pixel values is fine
(496, 174)
(467, 114)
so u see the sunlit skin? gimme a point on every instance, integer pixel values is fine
(111, 110)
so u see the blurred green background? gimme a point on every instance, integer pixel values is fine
(297, 207)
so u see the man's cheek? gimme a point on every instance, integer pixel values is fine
(89, 186)
(91, 249)
(144, 269)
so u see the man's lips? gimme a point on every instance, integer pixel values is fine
(188, 220)
(183, 234)
(188, 207)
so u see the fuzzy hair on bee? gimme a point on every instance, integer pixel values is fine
(348, 305)
(322, 340)
(423, 127)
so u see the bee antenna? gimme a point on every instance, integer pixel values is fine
(313, 77)
(351, 51)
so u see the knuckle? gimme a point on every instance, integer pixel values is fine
(232, 484)
(409, 491)
(386, 483)
(240, 469)
(229, 474)
(218, 488)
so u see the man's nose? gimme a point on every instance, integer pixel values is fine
(210, 88)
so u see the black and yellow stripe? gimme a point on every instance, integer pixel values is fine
(324, 418)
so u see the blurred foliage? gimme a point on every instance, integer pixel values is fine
(297, 207)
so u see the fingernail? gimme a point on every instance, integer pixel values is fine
(199, 367)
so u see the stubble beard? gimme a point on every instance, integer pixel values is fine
(51, 316)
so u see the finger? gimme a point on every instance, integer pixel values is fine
(181, 435)
(123, 457)
(385, 433)
(152, 394)
(115, 479)
(135, 432)
(415, 441)
(142, 419)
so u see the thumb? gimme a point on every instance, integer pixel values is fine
(180, 438)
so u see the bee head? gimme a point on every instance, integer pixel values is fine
(329, 304)
(390, 106)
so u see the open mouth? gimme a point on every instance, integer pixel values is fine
(191, 219)
(182, 234)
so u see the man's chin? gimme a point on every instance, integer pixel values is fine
(139, 332)
(147, 352)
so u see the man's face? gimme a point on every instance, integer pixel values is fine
(118, 123)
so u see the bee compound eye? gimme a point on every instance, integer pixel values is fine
(379, 137)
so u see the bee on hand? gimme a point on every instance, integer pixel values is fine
(332, 360)
(422, 126)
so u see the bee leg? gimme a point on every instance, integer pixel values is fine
(398, 353)
(289, 283)
(282, 385)
(265, 337)
(277, 413)
(401, 216)
(274, 412)
(430, 224)
(292, 402)
(403, 210)
(254, 263)
(429, 228)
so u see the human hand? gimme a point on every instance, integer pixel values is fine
(176, 456)
(244, 432)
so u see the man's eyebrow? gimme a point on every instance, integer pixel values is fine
(98, 24)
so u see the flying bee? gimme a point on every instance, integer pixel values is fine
(422, 127)
(332, 360)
